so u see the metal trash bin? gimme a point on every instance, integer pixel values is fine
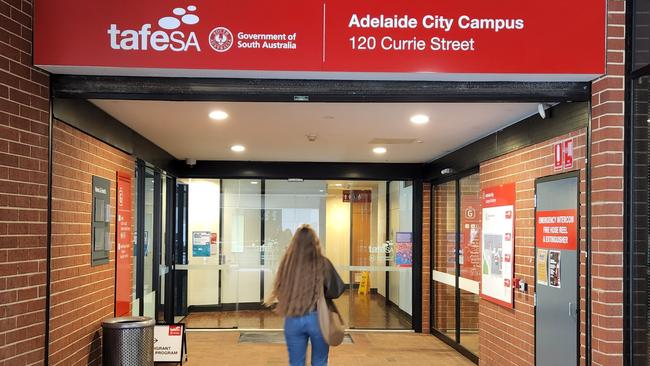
(128, 341)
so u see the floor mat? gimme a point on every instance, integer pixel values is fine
(273, 337)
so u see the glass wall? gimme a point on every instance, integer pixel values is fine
(456, 260)
(151, 239)
(238, 232)
(638, 137)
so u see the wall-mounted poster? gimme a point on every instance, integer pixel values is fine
(554, 268)
(497, 243)
(542, 267)
(201, 243)
(404, 249)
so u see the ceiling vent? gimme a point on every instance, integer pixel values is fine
(389, 141)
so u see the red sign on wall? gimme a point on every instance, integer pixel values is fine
(123, 253)
(558, 156)
(497, 243)
(563, 155)
(357, 196)
(557, 229)
(506, 39)
(568, 154)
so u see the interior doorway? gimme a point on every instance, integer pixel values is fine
(238, 231)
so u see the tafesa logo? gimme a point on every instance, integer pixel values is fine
(167, 38)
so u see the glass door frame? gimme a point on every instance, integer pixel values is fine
(158, 241)
(455, 343)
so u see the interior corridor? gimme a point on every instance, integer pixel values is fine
(225, 348)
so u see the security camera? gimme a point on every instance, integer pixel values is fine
(190, 162)
(542, 110)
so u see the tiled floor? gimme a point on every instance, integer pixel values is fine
(362, 312)
(372, 349)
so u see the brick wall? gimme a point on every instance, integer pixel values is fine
(82, 295)
(24, 118)
(607, 196)
(426, 257)
(507, 335)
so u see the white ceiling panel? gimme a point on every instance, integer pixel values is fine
(278, 131)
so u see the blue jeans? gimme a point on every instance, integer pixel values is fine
(297, 330)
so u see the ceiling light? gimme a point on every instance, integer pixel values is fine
(254, 182)
(379, 150)
(420, 119)
(237, 148)
(339, 185)
(218, 115)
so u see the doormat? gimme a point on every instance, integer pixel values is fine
(274, 337)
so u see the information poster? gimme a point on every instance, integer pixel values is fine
(201, 243)
(497, 243)
(168, 343)
(213, 244)
(554, 262)
(404, 249)
(542, 266)
(124, 243)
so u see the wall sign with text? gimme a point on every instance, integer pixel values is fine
(123, 273)
(497, 243)
(381, 39)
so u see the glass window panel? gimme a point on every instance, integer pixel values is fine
(469, 260)
(640, 202)
(149, 291)
(444, 259)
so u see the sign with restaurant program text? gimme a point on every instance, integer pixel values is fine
(335, 39)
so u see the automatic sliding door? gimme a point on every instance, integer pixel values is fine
(456, 261)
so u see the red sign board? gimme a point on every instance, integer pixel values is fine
(451, 40)
(563, 155)
(497, 243)
(558, 156)
(568, 154)
(357, 196)
(557, 229)
(124, 249)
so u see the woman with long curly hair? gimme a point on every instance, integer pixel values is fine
(303, 276)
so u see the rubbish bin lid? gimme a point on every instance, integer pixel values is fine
(127, 322)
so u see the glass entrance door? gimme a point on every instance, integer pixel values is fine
(239, 230)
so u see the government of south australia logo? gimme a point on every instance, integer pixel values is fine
(168, 36)
(221, 39)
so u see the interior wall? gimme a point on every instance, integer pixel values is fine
(338, 231)
(203, 215)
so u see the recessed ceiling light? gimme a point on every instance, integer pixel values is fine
(237, 148)
(379, 150)
(420, 119)
(254, 182)
(218, 115)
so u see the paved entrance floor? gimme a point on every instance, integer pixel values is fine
(372, 349)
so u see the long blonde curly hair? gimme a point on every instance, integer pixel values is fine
(299, 278)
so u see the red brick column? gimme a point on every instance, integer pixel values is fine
(24, 106)
(426, 257)
(607, 196)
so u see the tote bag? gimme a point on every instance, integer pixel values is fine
(331, 323)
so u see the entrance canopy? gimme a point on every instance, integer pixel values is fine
(473, 40)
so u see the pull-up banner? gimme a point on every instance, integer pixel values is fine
(553, 40)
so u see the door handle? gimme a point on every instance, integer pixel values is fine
(570, 311)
